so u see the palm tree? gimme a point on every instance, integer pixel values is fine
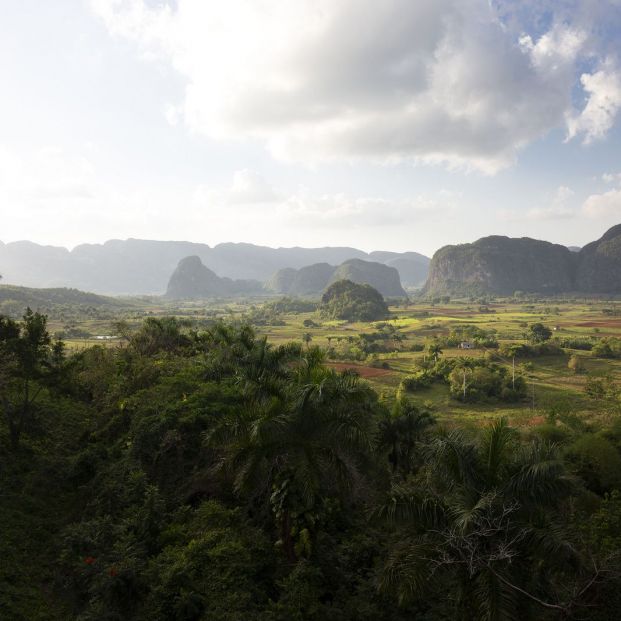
(483, 519)
(304, 438)
(434, 350)
(400, 432)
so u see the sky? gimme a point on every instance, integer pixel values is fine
(394, 125)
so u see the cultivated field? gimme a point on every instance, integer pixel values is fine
(404, 341)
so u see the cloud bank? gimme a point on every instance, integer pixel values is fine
(459, 82)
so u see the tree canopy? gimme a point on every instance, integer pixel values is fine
(351, 301)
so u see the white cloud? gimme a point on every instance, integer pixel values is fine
(611, 177)
(602, 106)
(250, 197)
(434, 81)
(606, 205)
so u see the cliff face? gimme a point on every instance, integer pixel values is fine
(502, 265)
(314, 279)
(192, 279)
(599, 267)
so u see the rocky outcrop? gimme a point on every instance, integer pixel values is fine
(599, 265)
(502, 265)
(192, 279)
(313, 279)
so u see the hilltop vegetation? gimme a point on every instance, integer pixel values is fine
(13, 300)
(501, 265)
(351, 301)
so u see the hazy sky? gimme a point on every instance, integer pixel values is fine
(380, 124)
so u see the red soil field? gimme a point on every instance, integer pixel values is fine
(612, 323)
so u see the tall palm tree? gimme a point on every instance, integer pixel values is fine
(298, 438)
(434, 349)
(400, 432)
(481, 517)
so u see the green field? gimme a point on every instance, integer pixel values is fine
(548, 377)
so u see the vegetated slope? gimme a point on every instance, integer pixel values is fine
(599, 266)
(136, 266)
(13, 300)
(313, 279)
(412, 273)
(413, 267)
(281, 281)
(352, 301)
(381, 277)
(502, 265)
(191, 279)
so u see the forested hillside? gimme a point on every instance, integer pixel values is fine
(503, 265)
(211, 475)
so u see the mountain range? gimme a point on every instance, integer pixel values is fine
(192, 279)
(135, 266)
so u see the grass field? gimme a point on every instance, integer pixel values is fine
(549, 379)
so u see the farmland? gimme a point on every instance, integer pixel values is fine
(384, 353)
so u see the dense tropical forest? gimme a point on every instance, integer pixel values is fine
(206, 473)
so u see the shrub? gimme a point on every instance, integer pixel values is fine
(597, 462)
(576, 364)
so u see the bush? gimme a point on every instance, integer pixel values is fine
(607, 348)
(484, 382)
(575, 343)
(417, 381)
(597, 462)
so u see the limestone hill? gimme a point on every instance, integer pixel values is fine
(503, 265)
(314, 279)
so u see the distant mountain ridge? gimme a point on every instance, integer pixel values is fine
(192, 279)
(503, 265)
(135, 266)
(314, 279)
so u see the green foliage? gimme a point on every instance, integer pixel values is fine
(607, 348)
(206, 474)
(485, 381)
(538, 333)
(347, 300)
(597, 461)
(28, 363)
(213, 566)
(483, 521)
